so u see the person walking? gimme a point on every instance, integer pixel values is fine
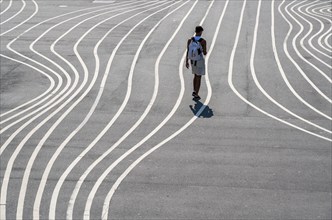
(196, 50)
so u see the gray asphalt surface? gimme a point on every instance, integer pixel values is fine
(98, 121)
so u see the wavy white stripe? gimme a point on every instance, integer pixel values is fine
(49, 132)
(55, 99)
(23, 22)
(230, 76)
(7, 8)
(253, 72)
(296, 64)
(27, 58)
(318, 17)
(27, 137)
(110, 194)
(62, 178)
(16, 14)
(77, 129)
(285, 47)
(129, 86)
(310, 41)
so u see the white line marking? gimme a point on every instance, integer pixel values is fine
(52, 84)
(71, 135)
(96, 186)
(253, 72)
(230, 79)
(135, 163)
(58, 186)
(60, 79)
(49, 132)
(4, 186)
(77, 187)
(312, 46)
(7, 8)
(100, 1)
(31, 16)
(315, 16)
(26, 31)
(16, 14)
(283, 73)
(298, 53)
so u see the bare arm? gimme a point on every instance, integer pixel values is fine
(187, 60)
(204, 47)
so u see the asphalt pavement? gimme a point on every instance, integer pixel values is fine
(98, 120)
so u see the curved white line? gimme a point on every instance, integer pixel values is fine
(315, 16)
(48, 90)
(62, 178)
(298, 53)
(322, 42)
(46, 58)
(310, 43)
(283, 74)
(230, 79)
(6, 177)
(328, 18)
(141, 158)
(36, 25)
(16, 14)
(74, 194)
(285, 46)
(59, 149)
(53, 127)
(253, 73)
(145, 113)
(285, 49)
(326, 40)
(31, 16)
(52, 82)
(7, 8)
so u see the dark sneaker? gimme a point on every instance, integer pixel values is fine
(196, 97)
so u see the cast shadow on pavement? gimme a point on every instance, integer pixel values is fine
(206, 113)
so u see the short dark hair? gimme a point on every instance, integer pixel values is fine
(199, 29)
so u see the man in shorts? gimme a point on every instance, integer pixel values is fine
(197, 65)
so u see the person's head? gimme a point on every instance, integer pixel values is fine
(199, 30)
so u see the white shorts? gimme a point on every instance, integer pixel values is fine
(198, 67)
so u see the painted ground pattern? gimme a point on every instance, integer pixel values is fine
(97, 120)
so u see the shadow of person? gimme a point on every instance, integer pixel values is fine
(207, 112)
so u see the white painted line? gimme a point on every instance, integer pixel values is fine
(230, 78)
(31, 16)
(311, 45)
(253, 72)
(315, 15)
(284, 74)
(16, 14)
(110, 194)
(327, 41)
(45, 105)
(103, 82)
(49, 89)
(21, 55)
(48, 68)
(77, 187)
(7, 8)
(31, 160)
(69, 109)
(100, 179)
(301, 71)
(100, 1)
(4, 186)
(59, 149)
